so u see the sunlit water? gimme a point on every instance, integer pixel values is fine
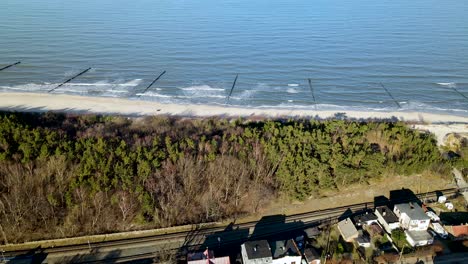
(417, 49)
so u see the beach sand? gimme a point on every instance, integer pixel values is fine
(439, 124)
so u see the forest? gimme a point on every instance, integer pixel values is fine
(64, 175)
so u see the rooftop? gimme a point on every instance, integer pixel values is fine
(311, 232)
(311, 254)
(364, 217)
(419, 235)
(283, 248)
(257, 249)
(387, 214)
(413, 210)
(454, 218)
(347, 228)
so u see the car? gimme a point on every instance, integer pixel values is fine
(433, 234)
(433, 216)
(439, 229)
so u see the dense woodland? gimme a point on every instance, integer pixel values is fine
(67, 175)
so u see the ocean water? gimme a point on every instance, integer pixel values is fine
(418, 50)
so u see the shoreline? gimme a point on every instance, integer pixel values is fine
(40, 102)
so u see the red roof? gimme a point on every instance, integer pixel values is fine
(461, 230)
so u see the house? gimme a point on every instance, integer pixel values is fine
(256, 252)
(363, 239)
(375, 230)
(412, 217)
(456, 224)
(312, 232)
(418, 237)
(366, 218)
(285, 251)
(387, 218)
(347, 230)
(206, 257)
(311, 256)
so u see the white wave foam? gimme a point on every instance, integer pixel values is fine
(293, 84)
(131, 83)
(201, 88)
(153, 94)
(117, 91)
(448, 84)
(292, 91)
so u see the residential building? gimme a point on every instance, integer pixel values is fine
(206, 257)
(285, 252)
(418, 238)
(312, 232)
(456, 224)
(347, 230)
(256, 252)
(387, 218)
(311, 256)
(412, 217)
(363, 239)
(366, 218)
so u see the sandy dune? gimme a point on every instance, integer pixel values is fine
(439, 124)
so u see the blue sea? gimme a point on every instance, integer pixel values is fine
(352, 51)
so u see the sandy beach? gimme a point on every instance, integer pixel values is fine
(439, 124)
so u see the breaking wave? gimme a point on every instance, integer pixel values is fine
(448, 84)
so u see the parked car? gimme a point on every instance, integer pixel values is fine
(433, 216)
(439, 229)
(433, 234)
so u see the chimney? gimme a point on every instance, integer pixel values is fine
(411, 206)
(384, 213)
(255, 248)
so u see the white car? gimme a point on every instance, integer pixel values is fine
(433, 216)
(439, 229)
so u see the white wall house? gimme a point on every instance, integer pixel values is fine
(387, 218)
(412, 217)
(285, 252)
(256, 252)
(418, 238)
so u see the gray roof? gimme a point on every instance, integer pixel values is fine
(283, 248)
(388, 216)
(347, 228)
(311, 254)
(413, 210)
(257, 249)
(362, 218)
(419, 235)
(311, 232)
